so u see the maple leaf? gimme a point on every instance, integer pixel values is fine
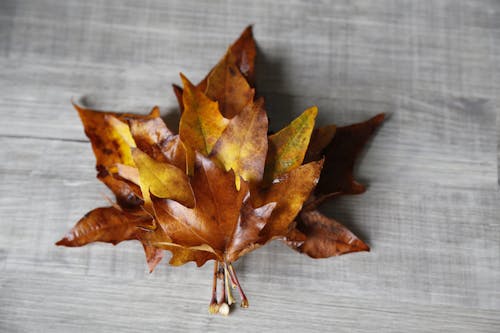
(243, 52)
(340, 155)
(321, 237)
(242, 147)
(287, 148)
(221, 187)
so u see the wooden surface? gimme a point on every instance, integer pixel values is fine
(431, 214)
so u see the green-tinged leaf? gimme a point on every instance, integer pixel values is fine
(287, 148)
(201, 122)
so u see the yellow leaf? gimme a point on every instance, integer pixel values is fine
(163, 180)
(287, 148)
(201, 123)
(120, 132)
(243, 145)
(109, 147)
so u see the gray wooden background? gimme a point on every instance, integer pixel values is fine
(431, 214)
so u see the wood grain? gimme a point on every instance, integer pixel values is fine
(431, 214)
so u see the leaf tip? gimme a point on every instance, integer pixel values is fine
(78, 108)
(185, 81)
(65, 241)
(155, 112)
(312, 111)
(378, 119)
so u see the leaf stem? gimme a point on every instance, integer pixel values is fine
(213, 308)
(223, 307)
(244, 299)
(231, 276)
(230, 298)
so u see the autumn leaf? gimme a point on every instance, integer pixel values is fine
(288, 147)
(111, 225)
(182, 255)
(244, 53)
(247, 230)
(154, 138)
(242, 147)
(289, 191)
(214, 217)
(320, 138)
(178, 95)
(340, 155)
(153, 256)
(109, 149)
(321, 237)
(229, 87)
(163, 180)
(221, 187)
(105, 224)
(201, 123)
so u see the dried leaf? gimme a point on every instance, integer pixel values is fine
(201, 123)
(159, 239)
(110, 148)
(246, 235)
(153, 256)
(126, 172)
(242, 147)
(152, 136)
(181, 255)
(320, 138)
(340, 155)
(321, 237)
(229, 87)
(105, 224)
(221, 187)
(213, 219)
(161, 179)
(178, 95)
(287, 148)
(244, 52)
(289, 192)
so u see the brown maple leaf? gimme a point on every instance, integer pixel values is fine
(221, 187)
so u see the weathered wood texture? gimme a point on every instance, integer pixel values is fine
(431, 213)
